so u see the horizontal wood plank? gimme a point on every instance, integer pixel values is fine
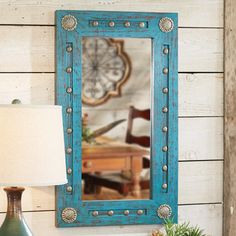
(199, 138)
(208, 217)
(199, 182)
(195, 99)
(29, 88)
(194, 96)
(200, 50)
(31, 49)
(27, 49)
(200, 94)
(209, 14)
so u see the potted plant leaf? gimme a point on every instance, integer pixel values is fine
(184, 229)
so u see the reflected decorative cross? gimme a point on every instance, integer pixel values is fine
(106, 67)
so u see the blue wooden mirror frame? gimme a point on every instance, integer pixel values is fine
(162, 28)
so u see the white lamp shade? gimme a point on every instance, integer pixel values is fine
(31, 146)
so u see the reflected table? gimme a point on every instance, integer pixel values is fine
(109, 155)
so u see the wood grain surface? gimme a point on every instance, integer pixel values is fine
(230, 120)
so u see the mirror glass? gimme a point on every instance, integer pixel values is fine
(116, 102)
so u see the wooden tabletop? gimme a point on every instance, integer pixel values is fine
(107, 147)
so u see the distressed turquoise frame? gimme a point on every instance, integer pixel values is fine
(76, 212)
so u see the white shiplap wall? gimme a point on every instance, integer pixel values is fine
(27, 72)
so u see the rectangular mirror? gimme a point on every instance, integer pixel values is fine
(116, 118)
(117, 83)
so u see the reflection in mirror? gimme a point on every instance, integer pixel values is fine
(116, 131)
(106, 67)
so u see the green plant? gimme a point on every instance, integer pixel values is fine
(183, 229)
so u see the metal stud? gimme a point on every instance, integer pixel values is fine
(126, 212)
(95, 213)
(68, 109)
(166, 51)
(127, 24)
(164, 168)
(165, 90)
(69, 90)
(111, 23)
(69, 215)
(165, 71)
(69, 130)
(69, 49)
(95, 23)
(69, 189)
(166, 24)
(69, 171)
(165, 129)
(141, 24)
(164, 211)
(140, 212)
(164, 148)
(69, 69)
(69, 150)
(69, 22)
(110, 213)
(164, 109)
(164, 186)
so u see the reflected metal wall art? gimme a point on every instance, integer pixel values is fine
(106, 67)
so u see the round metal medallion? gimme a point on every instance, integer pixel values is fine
(69, 22)
(164, 211)
(166, 24)
(69, 215)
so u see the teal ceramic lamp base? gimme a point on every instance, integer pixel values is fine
(14, 223)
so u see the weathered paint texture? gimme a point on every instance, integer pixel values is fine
(72, 117)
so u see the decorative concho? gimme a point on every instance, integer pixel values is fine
(166, 24)
(69, 22)
(69, 215)
(164, 211)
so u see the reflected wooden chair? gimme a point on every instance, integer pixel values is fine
(120, 181)
(143, 141)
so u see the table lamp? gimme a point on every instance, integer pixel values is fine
(31, 154)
